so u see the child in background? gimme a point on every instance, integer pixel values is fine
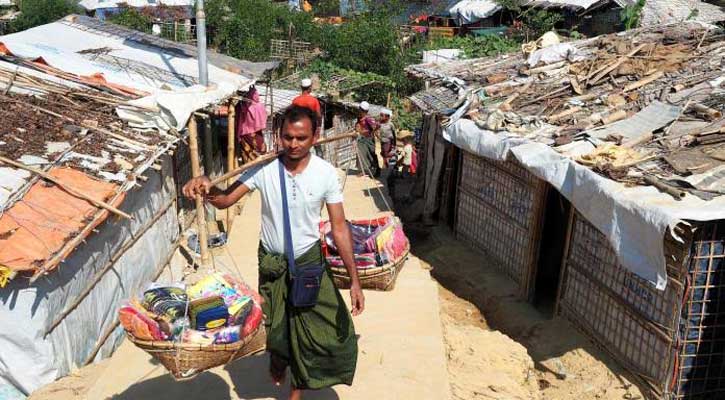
(407, 158)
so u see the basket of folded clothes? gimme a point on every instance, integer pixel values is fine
(380, 248)
(190, 329)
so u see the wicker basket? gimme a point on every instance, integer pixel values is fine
(381, 278)
(185, 360)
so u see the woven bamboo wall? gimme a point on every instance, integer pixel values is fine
(499, 212)
(341, 153)
(624, 314)
(679, 351)
(701, 359)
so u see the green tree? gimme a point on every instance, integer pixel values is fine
(131, 18)
(40, 12)
(630, 14)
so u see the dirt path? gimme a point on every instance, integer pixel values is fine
(500, 347)
(402, 353)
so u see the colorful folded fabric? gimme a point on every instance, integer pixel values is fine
(168, 303)
(208, 313)
(198, 337)
(138, 324)
(227, 335)
(240, 310)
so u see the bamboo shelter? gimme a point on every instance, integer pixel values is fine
(91, 166)
(593, 179)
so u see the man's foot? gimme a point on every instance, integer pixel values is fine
(277, 370)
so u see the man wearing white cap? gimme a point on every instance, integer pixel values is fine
(306, 99)
(387, 136)
(366, 127)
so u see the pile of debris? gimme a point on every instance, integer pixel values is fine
(642, 107)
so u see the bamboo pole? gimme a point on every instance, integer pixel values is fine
(66, 188)
(271, 156)
(195, 172)
(231, 123)
(115, 325)
(604, 71)
(111, 262)
(644, 82)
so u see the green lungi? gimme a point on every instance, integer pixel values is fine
(318, 343)
(368, 158)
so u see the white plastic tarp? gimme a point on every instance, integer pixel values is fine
(634, 219)
(169, 77)
(28, 358)
(96, 4)
(471, 11)
(441, 55)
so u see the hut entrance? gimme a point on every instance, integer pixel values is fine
(551, 252)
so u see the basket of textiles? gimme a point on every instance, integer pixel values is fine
(380, 248)
(190, 329)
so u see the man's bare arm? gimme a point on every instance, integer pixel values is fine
(219, 198)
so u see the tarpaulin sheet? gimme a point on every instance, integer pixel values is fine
(39, 225)
(168, 75)
(470, 11)
(634, 219)
(28, 358)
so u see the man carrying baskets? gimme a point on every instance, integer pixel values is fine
(308, 326)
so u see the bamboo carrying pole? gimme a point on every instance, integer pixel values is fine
(66, 188)
(269, 157)
(231, 124)
(196, 171)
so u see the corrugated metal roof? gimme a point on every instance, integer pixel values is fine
(438, 99)
(96, 4)
(658, 12)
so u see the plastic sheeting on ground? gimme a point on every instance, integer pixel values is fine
(29, 359)
(75, 45)
(634, 219)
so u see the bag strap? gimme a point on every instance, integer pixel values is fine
(288, 248)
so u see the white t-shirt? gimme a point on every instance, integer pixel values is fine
(306, 194)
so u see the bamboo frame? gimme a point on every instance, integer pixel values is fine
(231, 154)
(196, 172)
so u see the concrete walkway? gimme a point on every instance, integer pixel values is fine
(402, 355)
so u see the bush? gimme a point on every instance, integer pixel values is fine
(474, 47)
(40, 12)
(130, 18)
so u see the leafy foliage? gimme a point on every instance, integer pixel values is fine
(631, 14)
(131, 18)
(245, 28)
(474, 47)
(529, 21)
(39, 12)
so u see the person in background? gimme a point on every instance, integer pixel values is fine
(251, 121)
(387, 136)
(408, 157)
(307, 100)
(366, 128)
